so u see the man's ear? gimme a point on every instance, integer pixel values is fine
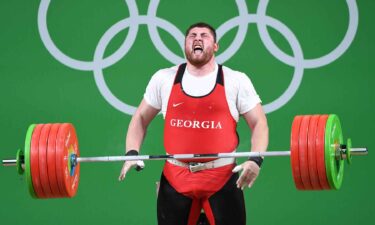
(216, 47)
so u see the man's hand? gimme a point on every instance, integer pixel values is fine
(250, 171)
(128, 165)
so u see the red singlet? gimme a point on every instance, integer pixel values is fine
(196, 125)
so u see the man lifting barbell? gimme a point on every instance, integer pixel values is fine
(201, 102)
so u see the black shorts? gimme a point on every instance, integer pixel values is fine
(225, 207)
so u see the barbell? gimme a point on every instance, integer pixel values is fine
(51, 157)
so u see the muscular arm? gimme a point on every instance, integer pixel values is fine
(136, 133)
(138, 125)
(257, 121)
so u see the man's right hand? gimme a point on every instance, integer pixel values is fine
(128, 165)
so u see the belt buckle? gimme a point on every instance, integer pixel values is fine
(195, 167)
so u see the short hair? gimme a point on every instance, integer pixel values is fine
(202, 24)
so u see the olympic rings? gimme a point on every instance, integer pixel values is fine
(153, 22)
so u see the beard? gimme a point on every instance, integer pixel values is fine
(197, 58)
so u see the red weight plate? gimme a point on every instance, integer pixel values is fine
(319, 147)
(60, 154)
(66, 144)
(294, 155)
(311, 137)
(51, 161)
(303, 154)
(43, 175)
(34, 161)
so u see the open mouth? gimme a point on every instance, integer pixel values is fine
(198, 49)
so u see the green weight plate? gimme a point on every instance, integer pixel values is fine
(27, 160)
(20, 157)
(348, 149)
(333, 140)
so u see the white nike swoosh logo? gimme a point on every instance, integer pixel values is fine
(177, 104)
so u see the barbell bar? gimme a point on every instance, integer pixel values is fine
(51, 157)
(75, 159)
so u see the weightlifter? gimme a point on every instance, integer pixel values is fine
(201, 102)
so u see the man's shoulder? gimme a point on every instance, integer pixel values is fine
(166, 72)
(234, 75)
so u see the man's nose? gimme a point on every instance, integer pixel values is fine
(198, 37)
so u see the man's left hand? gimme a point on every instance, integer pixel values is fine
(250, 171)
